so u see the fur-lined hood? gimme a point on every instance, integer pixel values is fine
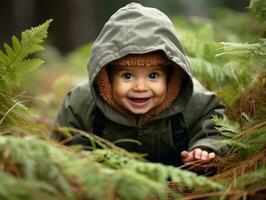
(135, 29)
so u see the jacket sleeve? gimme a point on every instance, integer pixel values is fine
(76, 109)
(199, 111)
(66, 116)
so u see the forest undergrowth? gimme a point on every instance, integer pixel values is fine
(34, 166)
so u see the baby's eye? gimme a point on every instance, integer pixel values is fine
(127, 76)
(153, 75)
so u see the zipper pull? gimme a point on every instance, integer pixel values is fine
(139, 128)
(139, 133)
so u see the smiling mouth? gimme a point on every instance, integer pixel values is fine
(139, 100)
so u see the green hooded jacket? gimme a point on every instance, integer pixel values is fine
(135, 29)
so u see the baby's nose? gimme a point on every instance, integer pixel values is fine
(140, 85)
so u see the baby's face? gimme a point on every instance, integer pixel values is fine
(139, 89)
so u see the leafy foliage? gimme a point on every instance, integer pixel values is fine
(238, 71)
(250, 108)
(34, 167)
(16, 189)
(54, 167)
(12, 63)
(15, 61)
(254, 140)
(245, 51)
(226, 67)
(30, 161)
(156, 172)
(249, 179)
(13, 114)
(259, 7)
(226, 126)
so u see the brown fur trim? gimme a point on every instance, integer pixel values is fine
(105, 87)
(146, 60)
(173, 84)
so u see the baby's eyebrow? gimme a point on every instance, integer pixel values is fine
(158, 68)
(130, 68)
(119, 69)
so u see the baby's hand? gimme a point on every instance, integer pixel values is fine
(195, 155)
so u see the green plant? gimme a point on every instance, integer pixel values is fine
(15, 61)
(32, 166)
(12, 64)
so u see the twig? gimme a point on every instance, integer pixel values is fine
(9, 110)
(250, 129)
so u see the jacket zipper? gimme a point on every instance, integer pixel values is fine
(139, 129)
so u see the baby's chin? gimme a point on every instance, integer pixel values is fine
(139, 111)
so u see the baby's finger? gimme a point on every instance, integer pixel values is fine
(204, 155)
(184, 154)
(197, 154)
(187, 156)
(211, 155)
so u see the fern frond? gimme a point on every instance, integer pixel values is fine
(31, 161)
(250, 107)
(259, 8)
(247, 143)
(156, 172)
(252, 178)
(209, 73)
(247, 176)
(14, 61)
(256, 139)
(225, 126)
(37, 160)
(3, 59)
(12, 188)
(200, 48)
(129, 178)
(25, 65)
(244, 50)
(15, 114)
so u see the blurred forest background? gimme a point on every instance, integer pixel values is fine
(80, 21)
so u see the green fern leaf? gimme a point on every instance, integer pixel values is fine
(10, 53)
(14, 61)
(16, 44)
(12, 77)
(3, 58)
(17, 189)
(14, 113)
(249, 179)
(29, 64)
(241, 49)
(35, 35)
(259, 8)
(154, 171)
(226, 126)
(256, 51)
(210, 74)
(25, 65)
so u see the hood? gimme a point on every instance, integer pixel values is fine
(135, 29)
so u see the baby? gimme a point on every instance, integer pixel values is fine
(141, 94)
